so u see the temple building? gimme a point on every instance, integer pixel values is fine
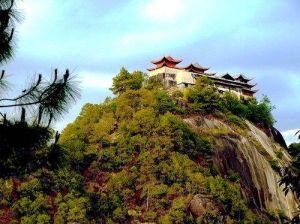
(167, 71)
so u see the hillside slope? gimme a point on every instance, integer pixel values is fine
(156, 156)
(251, 154)
(181, 158)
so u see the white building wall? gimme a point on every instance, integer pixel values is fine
(184, 78)
(181, 76)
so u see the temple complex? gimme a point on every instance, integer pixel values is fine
(167, 71)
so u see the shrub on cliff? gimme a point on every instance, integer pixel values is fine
(125, 80)
(294, 149)
(203, 97)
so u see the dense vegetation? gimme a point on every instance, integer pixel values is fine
(131, 158)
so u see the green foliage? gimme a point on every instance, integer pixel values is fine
(153, 83)
(30, 188)
(279, 154)
(102, 130)
(132, 159)
(158, 191)
(119, 215)
(132, 101)
(183, 138)
(104, 206)
(120, 180)
(143, 122)
(257, 112)
(172, 171)
(230, 196)
(34, 210)
(81, 129)
(276, 215)
(111, 158)
(66, 179)
(233, 119)
(71, 209)
(203, 97)
(260, 112)
(233, 176)
(233, 104)
(177, 94)
(164, 102)
(6, 190)
(177, 213)
(144, 156)
(125, 81)
(294, 149)
(275, 165)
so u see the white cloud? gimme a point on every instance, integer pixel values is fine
(165, 10)
(35, 13)
(290, 136)
(95, 80)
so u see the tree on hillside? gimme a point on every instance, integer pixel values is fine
(203, 97)
(125, 80)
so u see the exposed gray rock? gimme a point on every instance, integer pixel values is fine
(201, 204)
(250, 155)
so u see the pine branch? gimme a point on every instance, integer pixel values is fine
(30, 91)
(52, 99)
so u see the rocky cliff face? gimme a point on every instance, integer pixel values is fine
(252, 154)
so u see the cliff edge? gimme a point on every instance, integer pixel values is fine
(255, 157)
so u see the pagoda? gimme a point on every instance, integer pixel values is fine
(167, 71)
(167, 61)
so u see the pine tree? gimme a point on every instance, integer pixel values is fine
(8, 18)
(46, 100)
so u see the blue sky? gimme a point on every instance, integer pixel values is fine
(95, 38)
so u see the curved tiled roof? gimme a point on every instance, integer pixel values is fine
(166, 58)
(243, 77)
(195, 67)
(229, 79)
(228, 76)
(210, 73)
